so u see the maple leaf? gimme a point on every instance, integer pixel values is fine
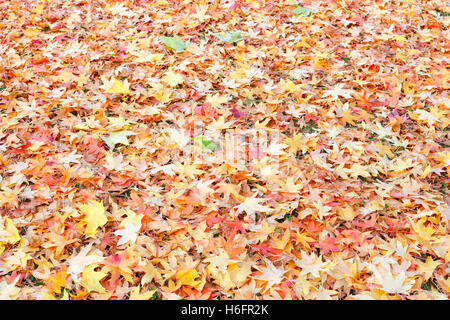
(289, 86)
(270, 273)
(347, 213)
(284, 242)
(338, 91)
(94, 216)
(115, 163)
(263, 231)
(327, 245)
(425, 232)
(217, 100)
(187, 277)
(58, 241)
(252, 205)
(8, 198)
(310, 264)
(136, 295)
(78, 263)
(220, 123)
(423, 115)
(189, 170)
(347, 117)
(220, 261)
(427, 268)
(231, 37)
(116, 86)
(358, 170)
(199, 232)
(177, 137)
(8, 233)
(144, 56)
(56, 282)
(443, 158)
(175, 43)
(322, 210)
(117, 137)
(162, 95)
(128, 234)
(389, 282)
(91, 279)
(150, 273)
(303, 239)
(239, 272)
(131, 218)
(172, 79)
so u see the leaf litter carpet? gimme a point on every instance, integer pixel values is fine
(115, 117)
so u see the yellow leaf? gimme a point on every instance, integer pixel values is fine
(222, 279)
(264, 231)
(425, 233)
(173, 79)
(303, 239)
(447, 256)
(401, 165)
(38, 10)
(117, 86)
(381, 295)
(281, 243)
(199, 232)
(31, 32)
(289, 86)
(8, 198)
(152, 57)
(54, 283)
(359, 170)
(347, 117)
(12, 234)
(385, 150)
(217, 100)
(49, 296)
(346, 213)
(91, 279)
(135, 295)
(427, 267)
(94, 216)
(399, 38)
(187, 277)
(239, 274)
(221, 261)
(171, 287)
(36, 146)
(426, 171)
(162, 96)
(132, 218)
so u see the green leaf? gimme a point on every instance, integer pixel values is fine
(205, 143)
(175, 43)
(231, 37)
(303, 11)
(117, 137)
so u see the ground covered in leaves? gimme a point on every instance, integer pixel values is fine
(99, 101)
